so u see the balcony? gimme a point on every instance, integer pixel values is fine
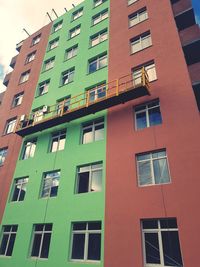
(196, 88)
(114, 93)
(190, 34)
(6, 79)
(185, 19)
(13, 62)
(194, 71)
(180, 6)
(192, 52)
(19, 45)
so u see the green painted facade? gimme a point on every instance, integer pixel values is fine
(67, 207)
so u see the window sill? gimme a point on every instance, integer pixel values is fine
(149, 185)
(26, 63)
(90, 47)
(46, 70)
(65, 60)
(93, 25)
(51, 49)
(138, 23)
(85, 261)
(73, 37)
(89, 73)
(22, 82)
(41, 95)
(62, 85)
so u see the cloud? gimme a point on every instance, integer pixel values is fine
(30, 15)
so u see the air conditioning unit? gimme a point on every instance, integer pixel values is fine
(22, 118)
(45, 109)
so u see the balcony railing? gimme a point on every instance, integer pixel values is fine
(99, 98)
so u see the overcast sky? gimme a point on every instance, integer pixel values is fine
(31, 15)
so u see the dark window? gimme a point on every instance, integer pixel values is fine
(29, 149)
(8, 239)
(50, 184)
(19, 189)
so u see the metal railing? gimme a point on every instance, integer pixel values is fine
(84, 100)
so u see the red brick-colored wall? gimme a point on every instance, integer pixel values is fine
(13, 141)
(126, 203)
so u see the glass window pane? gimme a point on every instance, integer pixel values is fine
(83, 182)
(155, 116)
(11, 245)
(94, 225)
(150, 224)
(168, 223)
(45, 245)
(23, 192)
(36, 245)
(61, 144)
(99, 132)
(87, 135)
(94, 247)
(141, 120)
(92, 67)
(171, 248)
(145, 175)
(4, 244)
(103, 62)
(78, 246)
(161, 171)
(152, 248)
(79, 226)
(96, 181)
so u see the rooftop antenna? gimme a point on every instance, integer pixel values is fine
(65, 9)
(73, 5)
(49, 16)
(26, 31)
(54, 12)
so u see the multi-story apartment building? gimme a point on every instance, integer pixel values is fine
(107, 173)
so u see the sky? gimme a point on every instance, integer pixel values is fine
(31, 15)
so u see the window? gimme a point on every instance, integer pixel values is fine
(30, 57)
(77, 14)
(38, 114)
(131, 2)
(150, 69)
(161, 243)
(53, 44)
(89, 178)
(48, 64)
(93, 131)
(57, 26)
(29, 149)
(3, 153)
(58, 141)
(71, 52)
(152, 168)
(75, 31)
(97, 63)
(67, 76)
(41, 240)
(17, 99)
(97, 93)
(138, 17)
(141, 42)
(10, 126)
(86, 241)
(43, 87)
(98, 2)
(148, 115)
(98, 38)
(99, 17)
(63, 104)
(24, 76)
(8, 239)
(50, 184)
(19, 189)
(36, 39)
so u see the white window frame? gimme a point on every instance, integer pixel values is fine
(57, 135)
(24, 76)
(158, 231)
(96, 91)
(137, 17)
(98, 2)
(42, 232)
(77, 14)
(141, 42)
(9, 233)
(90, 169)
(29, 146)
(3, 154)
(71, 52)
(30, 57)
(19, 183)
(99, 38)
(92, 125)
(36, 39)
(43, 87)
(130, 2)
(151, 72)
(10, 126)
(63, 104)
(74, 32)
(98, 61)
(151, 160)
(57, 26)
(47, 182)
(17, 99)
(53, 44)
(49, 63)
(86, 232)
(99, 17)
(146, 109)
(70, 76)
